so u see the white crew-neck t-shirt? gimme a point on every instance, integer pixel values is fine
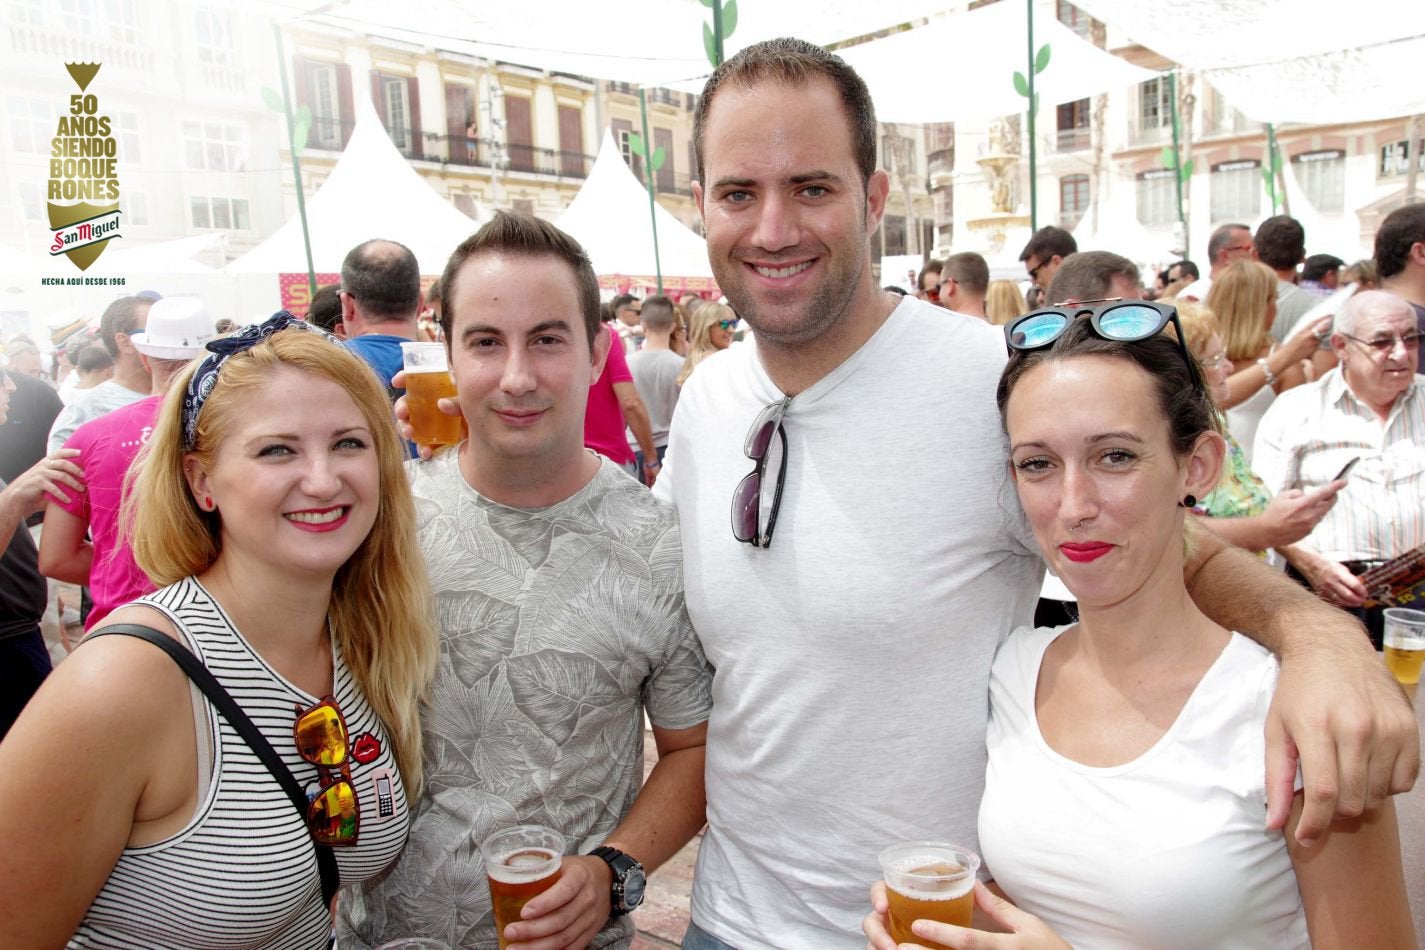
(852, 655)
(1167, 851)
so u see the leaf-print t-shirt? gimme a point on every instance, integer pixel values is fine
(559, 627)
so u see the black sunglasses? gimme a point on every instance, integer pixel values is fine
(1113, 318)
(754, 515)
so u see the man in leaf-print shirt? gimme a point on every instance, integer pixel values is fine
(559, 595)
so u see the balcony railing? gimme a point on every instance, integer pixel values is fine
(1150, 135)
(461, 150)
(1229, 121)
(1073, 140)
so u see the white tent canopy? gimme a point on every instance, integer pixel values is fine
(371, 193)
(971, 56)
(1288, 60)
(652, 42)
(162, 258)
(1120, 231)
(969, 64)
(609, 216)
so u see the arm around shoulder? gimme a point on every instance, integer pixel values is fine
(1352, 885)
(1337, 711)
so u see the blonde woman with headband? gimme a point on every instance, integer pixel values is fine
(710, 329)
(272, 510)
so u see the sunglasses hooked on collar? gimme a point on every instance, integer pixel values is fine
(334, 814)
(1112, 318)
(756, 501)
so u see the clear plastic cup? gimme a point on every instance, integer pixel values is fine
(928, 880)
(1404, 643)
(428, 380)
(520, 863)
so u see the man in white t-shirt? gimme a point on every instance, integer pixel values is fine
(886, 554)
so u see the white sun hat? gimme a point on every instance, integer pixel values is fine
(178, 328)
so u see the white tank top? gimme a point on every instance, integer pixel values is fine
(243, 872)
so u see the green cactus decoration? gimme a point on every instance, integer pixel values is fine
(723, 25)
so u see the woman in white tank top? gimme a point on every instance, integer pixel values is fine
(1125, 801)
(272, 509)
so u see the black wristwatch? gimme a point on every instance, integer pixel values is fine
(629, 884)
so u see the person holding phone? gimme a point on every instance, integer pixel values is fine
(1240, 507)
(1363, 422)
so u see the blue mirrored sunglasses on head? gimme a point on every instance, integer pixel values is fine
(1112, 318)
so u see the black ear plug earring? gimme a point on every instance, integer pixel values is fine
(1189, 501)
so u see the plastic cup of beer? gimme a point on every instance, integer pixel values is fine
(521, 863)
(1404, 642)
(928, 880)
(427, 380)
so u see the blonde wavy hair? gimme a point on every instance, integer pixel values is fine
(1239, 299)
(1199, 324)
(700, 324)
(380, 609)
(1004, 302)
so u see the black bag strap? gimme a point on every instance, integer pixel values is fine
(233, 713)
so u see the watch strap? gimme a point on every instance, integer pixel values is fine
(620, 864)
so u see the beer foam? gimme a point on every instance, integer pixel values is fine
(524, 865)
(1406, 644)
(921, 877)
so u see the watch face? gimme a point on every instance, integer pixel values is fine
(633, 887)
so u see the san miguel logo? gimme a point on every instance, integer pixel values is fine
(83, 176)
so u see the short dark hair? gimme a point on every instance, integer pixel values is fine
(121, 316)
(1281, 242)
(1318, 266)
(523, 235)
(1222, 239)
(793, 62)
(618, 303)
(1401, 230)
(1186, 268)
(325, 309)
(1048, 241)
(969, 269)
(1089, 276)
(92, 357)
(1183, 400)
(932, 266)
(658, 314)
(385, 277)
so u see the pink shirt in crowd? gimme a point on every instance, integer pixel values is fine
(107, 447)
(603, 420)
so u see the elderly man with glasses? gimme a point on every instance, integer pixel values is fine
(1369, 409)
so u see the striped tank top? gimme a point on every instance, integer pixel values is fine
(243, 872)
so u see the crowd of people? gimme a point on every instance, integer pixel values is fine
(386, 653)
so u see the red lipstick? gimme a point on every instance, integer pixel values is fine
(1085, 552)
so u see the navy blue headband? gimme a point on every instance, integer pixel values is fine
(205, 377)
